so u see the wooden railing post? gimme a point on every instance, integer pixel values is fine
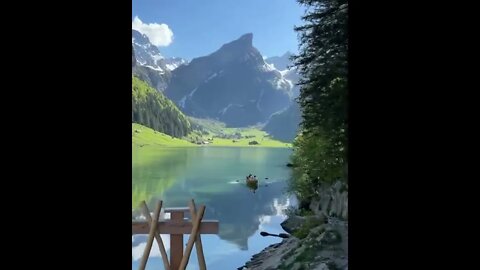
(163, 252)
(193, 237)
(176, 242)
(151, 236)
(198, 241)
(176, 226)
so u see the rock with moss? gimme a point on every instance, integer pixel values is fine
(323, 248)
(332, 201)
(319, 235)
(293, 223)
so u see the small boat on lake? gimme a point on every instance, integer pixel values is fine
(251, 179)
(252, 182)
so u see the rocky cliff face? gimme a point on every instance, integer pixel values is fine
(332, 202)
(147, 54)
(147, 62)
(280, 62)
(133, 57)
(284, 125)
(234, 85)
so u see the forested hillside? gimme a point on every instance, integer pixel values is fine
(152, 109)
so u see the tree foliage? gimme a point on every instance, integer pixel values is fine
(152, 109)
(320, 150)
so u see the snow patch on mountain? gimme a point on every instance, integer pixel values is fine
(284, 72)
(159, 69)
(193, 92)
(183, 100)
(181, 103)
(289, 83)
(157, 57)
(268, 67)
(224, 110)
(171, 66)
(211, 77)
(280, 83)
(259, 99)
(172, 63)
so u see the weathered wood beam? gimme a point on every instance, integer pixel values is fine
(175, 227)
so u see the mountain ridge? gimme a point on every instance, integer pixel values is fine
(233, 84)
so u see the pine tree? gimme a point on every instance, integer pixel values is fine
(152, 109)
(321, 147)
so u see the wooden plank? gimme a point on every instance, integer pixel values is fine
(175, 227)
(193, 236)
(198, 241)
(176, 209)
(176, 242)
(146, 213)
(151, 236)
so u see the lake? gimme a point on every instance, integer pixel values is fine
(215, 176)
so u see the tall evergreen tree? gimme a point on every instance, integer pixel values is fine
(321, 147)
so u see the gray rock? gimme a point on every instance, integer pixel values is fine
(331, 237)
(328, 241)
(296, 266)
(332, 201)
(322, 266)
(292, 223)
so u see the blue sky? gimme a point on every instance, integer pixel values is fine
(193, 28)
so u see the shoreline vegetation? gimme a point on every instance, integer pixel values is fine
(143, 136)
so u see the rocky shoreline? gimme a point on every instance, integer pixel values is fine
(324, 248)
(317, 242)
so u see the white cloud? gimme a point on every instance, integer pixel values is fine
(159, 34)
(141, 243)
